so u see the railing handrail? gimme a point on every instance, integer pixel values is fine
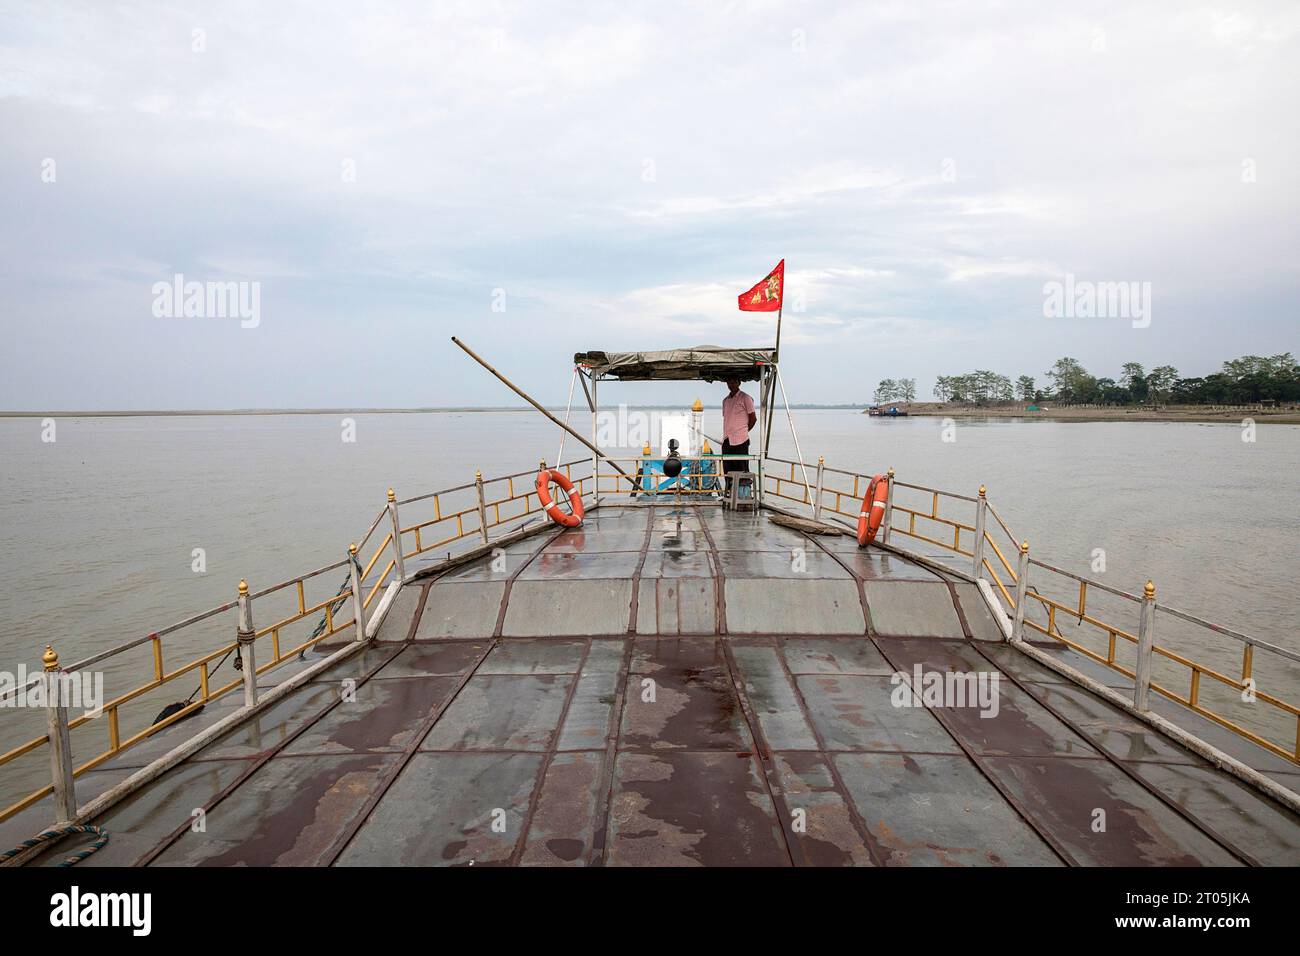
(1021, 594)
(488, 481)
(1229, 632)
(1091, 582)
(1088, 581)
(162, 676)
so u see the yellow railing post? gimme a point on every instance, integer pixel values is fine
(358, 597)
(397, 536)
(817, 506)
(482, 506)
(1022, 589)
(981, 507)
(1146, 640)
(888, 521)
(244, 636)
(56, 708)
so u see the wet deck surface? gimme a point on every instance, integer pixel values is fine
(684, 688)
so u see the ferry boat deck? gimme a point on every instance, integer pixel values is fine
(678, 684)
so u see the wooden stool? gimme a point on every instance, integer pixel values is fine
(741, 487)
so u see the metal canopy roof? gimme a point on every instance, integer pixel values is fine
(709, 363)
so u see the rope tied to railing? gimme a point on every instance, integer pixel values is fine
(56, 833)
(239, 663)
(334, 609)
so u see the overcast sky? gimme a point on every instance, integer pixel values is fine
(621, 171)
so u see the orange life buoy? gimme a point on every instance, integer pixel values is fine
(873, 510)
(553, 509)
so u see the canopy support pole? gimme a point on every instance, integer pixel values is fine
(764, 375)
(798, 451)
(595, 456)
(568, 410)
(767, 441)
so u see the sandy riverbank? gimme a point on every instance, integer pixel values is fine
(1172, 413)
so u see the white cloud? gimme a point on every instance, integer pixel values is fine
(920, 166)
(965, 270)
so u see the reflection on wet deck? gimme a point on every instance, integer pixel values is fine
(683, 688)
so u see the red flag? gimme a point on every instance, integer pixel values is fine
(766, 296)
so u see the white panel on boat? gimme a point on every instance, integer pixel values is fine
(397, 623)
(912, 609)
(978, 616)
(461, 610)
(676, 606)
(544, 608)
(676, 426)
(770, 606)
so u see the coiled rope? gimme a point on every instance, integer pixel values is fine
(55, 833)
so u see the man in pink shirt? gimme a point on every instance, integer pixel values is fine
(737, 419)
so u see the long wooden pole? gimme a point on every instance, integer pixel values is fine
(527, 398)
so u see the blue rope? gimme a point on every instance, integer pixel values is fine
(54, 834)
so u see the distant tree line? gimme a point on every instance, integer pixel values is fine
(974, 388)
(902, 390)
(1246, 380)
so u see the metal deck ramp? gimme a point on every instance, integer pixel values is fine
(682, 686)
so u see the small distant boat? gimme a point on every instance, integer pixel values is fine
(893, 411)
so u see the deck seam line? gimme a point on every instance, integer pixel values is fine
(761, 751)
(969, 752)
(613, 736)
(828, 757)
(1205, 828)
(1052, 843)
(419, 611)
(514, 576)
(258, 761)
(961, 612)
(653, 751)
(837, 779)
(635, 603)
(765, 765)
(349, 833)
(719, 578)
(868, 628)
(548, 758)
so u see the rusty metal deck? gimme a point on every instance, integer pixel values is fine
(689, 686)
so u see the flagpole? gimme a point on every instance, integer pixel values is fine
(776, 357)
(776, 354)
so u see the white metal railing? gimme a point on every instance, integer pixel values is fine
(469, 514)
(1020, 582)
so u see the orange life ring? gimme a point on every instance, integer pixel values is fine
(553, 509)
(873, 510)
